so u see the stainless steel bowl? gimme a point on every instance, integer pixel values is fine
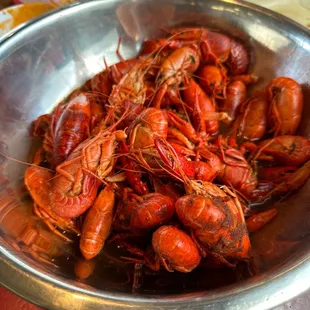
(45, 60)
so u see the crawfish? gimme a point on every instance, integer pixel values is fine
(286, 105)
(276, 174)
(175, 69)
(118, 70)
(176, 250)
(131, 87)
(239, 59)
(149, 124)
(182, 131)
(235, 96)
(251, 124)
(133, 171)
(177, 164)
(142, 213)
(284, 150)
(203, 109)
(101, 86)
(236, 171)
(216, 48)
(213, 80)
(97, 223)
(72, 127)
(292, 182)
(39, 182)
(77, 179)
(216, 220)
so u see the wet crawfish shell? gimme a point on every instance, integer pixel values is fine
(155, 210)
(72, 127)
(239, 58)
(253, 120)
(214, 225)
(176, 248)
(235, 96)
(152, 211)
(199, 212)
(285, 150)
(286, 99)
(215, 46)
(212, 79)
(149, 124)
(234, 243)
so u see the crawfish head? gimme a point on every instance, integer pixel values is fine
(216, 221)
(176, 249)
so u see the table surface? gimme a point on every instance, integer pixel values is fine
(299, 10)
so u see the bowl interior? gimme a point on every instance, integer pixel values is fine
(44, 62)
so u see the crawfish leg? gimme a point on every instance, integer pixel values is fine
(65, 173)
(48, 222)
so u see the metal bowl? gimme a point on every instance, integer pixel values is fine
(45, 60)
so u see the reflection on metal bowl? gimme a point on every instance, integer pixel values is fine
(43, 62)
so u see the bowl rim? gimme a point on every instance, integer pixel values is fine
(280, 287)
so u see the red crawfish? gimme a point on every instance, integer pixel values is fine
(182, 131)
(204, 116)
(148, 125)
(235, 96)
(97, 223)
(41, 125)
(235, 171)
(132, 171)
(239, 59)
(213, 80)
(175, 249)
(276, 174)
(216, 220)
(292, 182)
(284, 150)
(142, 213)
(101, 84)
(72, 127)
(251, 123)
(284, 184)
(177, 164)
(286, 105)
(131, 87)
(216, 48)
(174, 70)
(76, 182)
(38, 181)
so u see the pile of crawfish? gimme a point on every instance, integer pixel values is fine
(165, 153)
